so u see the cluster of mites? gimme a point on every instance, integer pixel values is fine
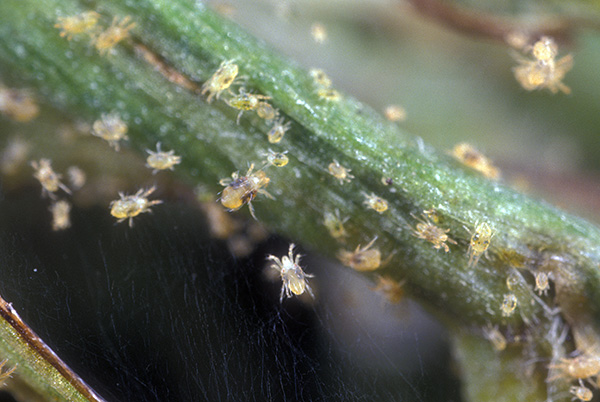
(584, 367)
(227, 75)
(111, 128)
(86, 24)
(127, 207)
(543, 71)
(241, 190)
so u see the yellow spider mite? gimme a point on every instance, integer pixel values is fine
(509, 304)
(468, 155)
(544, 49)
(320, 78)
(220, 80)
(60, 215)
(335, 224)
(329, 94)
(130, 206)
(242, 190)
(115, 33)
(375, 202)
(161, 160)
(278, 130)
(581, 392)
(582, 367)
(264, 110)
(48, 178)
(512, 280)
(391, 289)
(77, 24)
(541, 283)
(544, 71)
(395, 113)
(77, 177)
(480, 242)
(361, 259)
(517, 39)
(437, 236)
(339, 172)
(494, 335)
(245, 101)
(292, 275)
(277, 159)
(14, 155)
(318, 32)
(111, 128)
(18, 104)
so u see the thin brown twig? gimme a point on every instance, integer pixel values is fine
(481, 24)
(9, 314)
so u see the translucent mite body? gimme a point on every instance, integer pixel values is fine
(278, 130)
(329, 94)
(532, 75)
(581, 392)
(544, 71)
(339, 172)
(245, 101)
(60, 215)
(493, 335)
(545, 49)
(361, 259)
(264, 110)
(395, 113)
(18, 104)
(161, 160)
(77, 177)
(335, 224)
(512, 280)
(480, 242)
(277, 159)
(292, 275)
(391, 289)
(111, 128)
(220, 80)
(542, 283)
(320, 78)
(437, 236)
(77, 24)
(517, 39)
(14, 156)
(318, 32)
(375, 202)
(582, 367)
(468, 155)
(48, 178)
(509, 304)
(115, 33)
(130, 206)
(242, 190)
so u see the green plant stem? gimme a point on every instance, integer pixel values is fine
(193, 41)
(34, 362)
